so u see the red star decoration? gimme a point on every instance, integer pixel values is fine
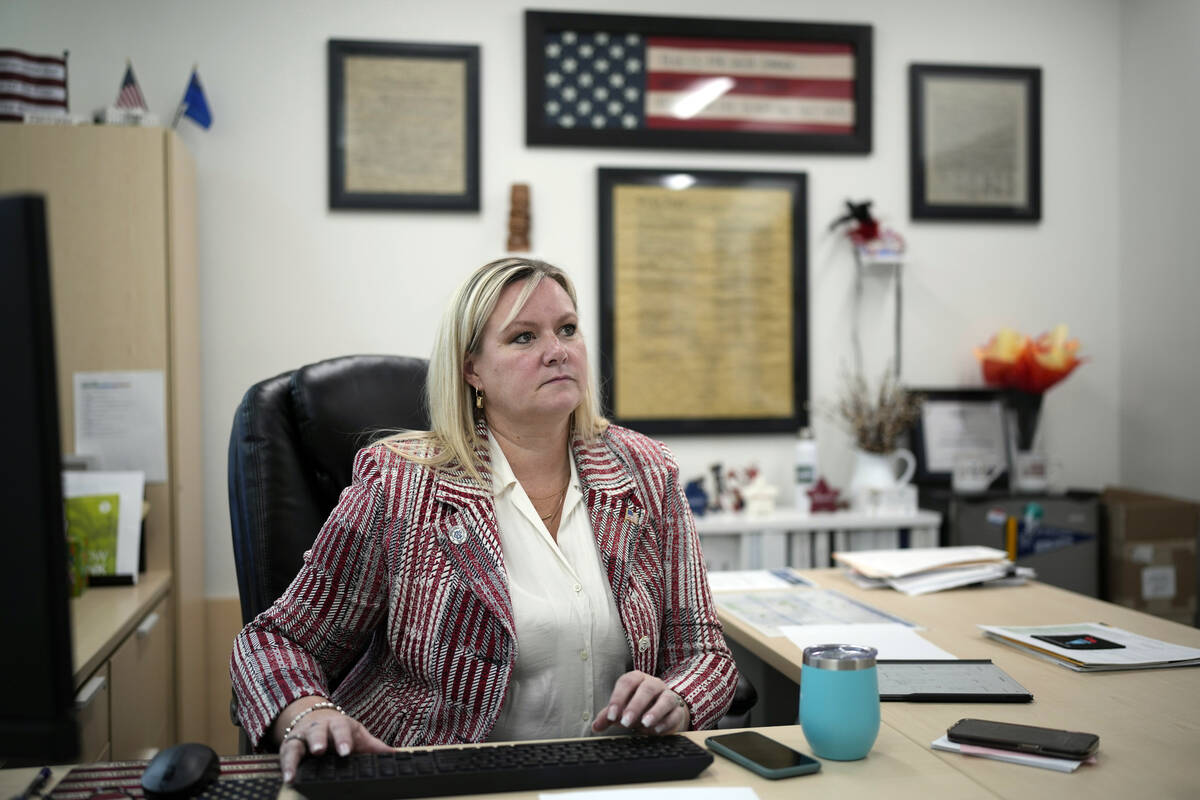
(823, 497)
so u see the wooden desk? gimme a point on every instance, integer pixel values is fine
(897, 767)
(1148, 720)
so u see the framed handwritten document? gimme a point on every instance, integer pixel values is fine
(703, 287)
(403, 125)
(975, 142)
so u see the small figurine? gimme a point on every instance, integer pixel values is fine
(714, 500)
(732, 499)
(696, 496)
(823, 497)
(518, 219)
(872, 239)
(760, 497)
(867, 227)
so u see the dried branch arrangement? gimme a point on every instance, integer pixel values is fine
(877, 420)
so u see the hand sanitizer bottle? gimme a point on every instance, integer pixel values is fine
(806, 466)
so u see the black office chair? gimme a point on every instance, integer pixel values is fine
(291, 453)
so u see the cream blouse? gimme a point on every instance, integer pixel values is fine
(571, 646)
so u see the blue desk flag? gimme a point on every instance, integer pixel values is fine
(194, 104)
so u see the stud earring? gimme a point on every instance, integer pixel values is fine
(478, 399)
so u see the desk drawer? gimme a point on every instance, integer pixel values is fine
(141, 687)
(92, 710)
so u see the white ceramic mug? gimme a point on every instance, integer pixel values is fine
(1032, 471)
(974, 472)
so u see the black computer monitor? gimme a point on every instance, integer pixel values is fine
(37, 713)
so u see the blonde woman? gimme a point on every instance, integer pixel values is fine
(524, 570)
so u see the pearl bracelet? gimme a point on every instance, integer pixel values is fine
(309, 710)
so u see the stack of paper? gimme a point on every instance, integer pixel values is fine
(1094, 647)
(929, 569)
(1011, 756)
(892, 640)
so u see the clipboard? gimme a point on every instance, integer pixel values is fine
(957, 681)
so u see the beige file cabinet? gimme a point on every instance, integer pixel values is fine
(120, 220)
(125, 690)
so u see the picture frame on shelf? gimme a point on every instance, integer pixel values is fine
(959, 422)
(618, 80)
(975, 142)
(403, 125)
(703, 300)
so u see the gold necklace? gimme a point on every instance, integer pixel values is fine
(552, 494)
(561, 495)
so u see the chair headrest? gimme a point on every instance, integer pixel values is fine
(343, 404)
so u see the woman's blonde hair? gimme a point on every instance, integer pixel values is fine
(453, 438)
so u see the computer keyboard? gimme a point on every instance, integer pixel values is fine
(501, 768)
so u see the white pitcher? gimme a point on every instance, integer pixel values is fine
(878, 470)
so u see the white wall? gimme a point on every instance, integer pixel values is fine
(284, 281)
(1160, 271)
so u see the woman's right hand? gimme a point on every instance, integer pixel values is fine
(317, 731)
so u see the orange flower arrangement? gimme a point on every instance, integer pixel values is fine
(1012, 360)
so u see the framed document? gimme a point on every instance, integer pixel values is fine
(975, 142)
(403, 125)
(703, 294)
(608, 80)
(956, 422)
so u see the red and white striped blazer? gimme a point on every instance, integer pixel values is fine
(403, 600)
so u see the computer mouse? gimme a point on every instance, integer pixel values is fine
(180, 772)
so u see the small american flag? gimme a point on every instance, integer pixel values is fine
(602, 80)
(31, 84)
(130, 95)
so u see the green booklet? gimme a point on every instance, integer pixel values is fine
(92, 524)
(104, 522)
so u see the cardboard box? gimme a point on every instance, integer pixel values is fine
(1152, 546)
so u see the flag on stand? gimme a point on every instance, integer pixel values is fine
(602, 80)
(32, 84)
(130, 95)
(194, 103)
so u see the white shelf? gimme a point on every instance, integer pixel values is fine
(788, 538)
(787, 519)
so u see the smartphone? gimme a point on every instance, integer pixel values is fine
(765, 756)
(1025, 738)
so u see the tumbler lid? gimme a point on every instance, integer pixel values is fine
(840, 656)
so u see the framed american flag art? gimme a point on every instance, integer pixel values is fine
(609, 80)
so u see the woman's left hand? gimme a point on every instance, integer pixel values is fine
(643, 702)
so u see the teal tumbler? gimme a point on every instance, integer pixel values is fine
(839, 700)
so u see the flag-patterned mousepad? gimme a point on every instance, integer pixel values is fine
(242, 778)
